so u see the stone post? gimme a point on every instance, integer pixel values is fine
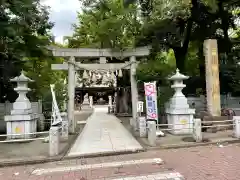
(54, 141)
(152, 133)
(142, 126)
(212, 77)
(71, 94)
(64, 126)
(115, 102)
(110, 103)
(197, 130)
(131, 122)
(91, 101)
(236, 121)
(134, 90)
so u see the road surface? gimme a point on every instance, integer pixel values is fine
(216, 162)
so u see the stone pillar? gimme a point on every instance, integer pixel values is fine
(110, 104)
(152, 133)
(91, 101)
(142, 127)
(197, 130)
(236, 121)
(71, 94)
(110, 101)
(54, 141)
(64, 126)
(134, 90)
(212, 77)
(115, 102)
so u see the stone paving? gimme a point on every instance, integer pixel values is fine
(103, 133)
(217, 162)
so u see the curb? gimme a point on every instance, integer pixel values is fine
(29, 162)
(40, 160)
(178, 146)
(63, 157)
(116, 153)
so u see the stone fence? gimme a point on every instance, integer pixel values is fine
(151, 130)
(5, 108)
(199, 103)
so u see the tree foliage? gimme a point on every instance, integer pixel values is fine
(105, 24)
(24, 33)
(175, 29)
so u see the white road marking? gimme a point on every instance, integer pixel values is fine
(155, 176)
(94, 166)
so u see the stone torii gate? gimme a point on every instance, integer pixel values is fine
(72, 65)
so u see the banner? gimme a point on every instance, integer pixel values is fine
(151, 100)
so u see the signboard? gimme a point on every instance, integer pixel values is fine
(140, 107)
(151, 100)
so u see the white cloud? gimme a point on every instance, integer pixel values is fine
(63, 14)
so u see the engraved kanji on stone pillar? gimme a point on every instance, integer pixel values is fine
(212, 77)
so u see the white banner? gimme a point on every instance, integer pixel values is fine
(56, 117)
(151, 100)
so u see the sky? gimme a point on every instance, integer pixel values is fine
(63, 14)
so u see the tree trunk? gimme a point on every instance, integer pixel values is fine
(180, 59)
(225, 26)
(202, 69)
(181, 52)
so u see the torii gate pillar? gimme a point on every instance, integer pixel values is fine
(134, 91)
(71, 94)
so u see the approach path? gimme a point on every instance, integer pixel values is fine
(104, 133)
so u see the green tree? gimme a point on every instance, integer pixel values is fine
(24, 33)
(173, 24)
(105, 24)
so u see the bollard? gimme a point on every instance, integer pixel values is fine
(236, 121)
(142, 126)
(131, 122)
(41, 122)
(64, 132)
(197, 130)
(54, 141)
(152, 133)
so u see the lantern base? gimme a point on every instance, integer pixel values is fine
(19, 126)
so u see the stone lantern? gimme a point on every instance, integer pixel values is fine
(21, 121)
(179, 115)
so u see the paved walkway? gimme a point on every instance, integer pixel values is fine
(103, 133)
